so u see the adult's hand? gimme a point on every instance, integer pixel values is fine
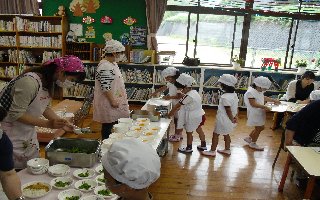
(58, 123)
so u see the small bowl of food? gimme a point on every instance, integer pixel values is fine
(92, 197)
(136, 128)
(35, 189)
(104, 192)
(143, 120)
(38, 165)
(125, 121)
(143, 125)
(61, 183)
(146, 139)
(85, 185)
(100, 179)
(116, 136)
(99, 169)
(59, 170)
(134, 134)
(83, 173)
(71, 194)
(154, 128)
(149, 133)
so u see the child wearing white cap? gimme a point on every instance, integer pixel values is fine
(256, 110)
(170, 74)
(314, 95)
(130, 167)
(191, 114)
(226, 118)
(110, 98)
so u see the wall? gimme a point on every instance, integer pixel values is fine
(116, 9)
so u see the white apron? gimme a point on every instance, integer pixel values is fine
(224, 125)
(256, 116)
(173, 91)
(103, 112)
(190, 115)
(23, 136)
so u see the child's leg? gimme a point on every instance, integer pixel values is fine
(212, 151)
(187, 149)
(256, 132)
(177, 137)
(202, 137)
(227, 142)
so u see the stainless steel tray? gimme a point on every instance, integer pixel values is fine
(154, 116)
(73, 152)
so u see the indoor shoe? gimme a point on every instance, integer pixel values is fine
(200, 148)
(209, 153)
(253, 145)
(184, 150)
(224, 151)
(248, 139)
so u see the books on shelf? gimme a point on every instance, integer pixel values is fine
(135, 93)
(136, 76)
(8, 41)
(79, 90)
(37, 26)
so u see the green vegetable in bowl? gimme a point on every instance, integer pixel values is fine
(85, 186)
(73, 198)
(101, 180)
(105, 192)
(85, 174)
(62, 184)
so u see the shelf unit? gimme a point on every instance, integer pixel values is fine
(83, 50)
(27, 41)
(206, 80)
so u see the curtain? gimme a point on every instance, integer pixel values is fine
(155, 10)
(19, 7)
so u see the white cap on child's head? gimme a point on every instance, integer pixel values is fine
(132, 162)
(228, 80)
(169, 71)
(315, 95)
(185, 80)
(262, 82)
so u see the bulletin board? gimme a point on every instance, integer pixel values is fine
(118, 10)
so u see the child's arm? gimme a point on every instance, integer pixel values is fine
(275, 101)
(178, 96)
(174, 110)
(229, 113)
(254, 104)
(159, 90)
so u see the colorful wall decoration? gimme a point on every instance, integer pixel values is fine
(117, 10)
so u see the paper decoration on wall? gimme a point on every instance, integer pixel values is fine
(129, 21)
(106, 20)
(77, 8)
(90, 32)
(107, 36)
(77, 29)
(91, 5)
(126, 39)
(138, 36)
(88, 20)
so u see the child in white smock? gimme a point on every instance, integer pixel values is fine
(191, 114)
(226, 118)
(256, 110)
(170, 74)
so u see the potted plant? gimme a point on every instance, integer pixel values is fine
(237, 62)
(301, 65)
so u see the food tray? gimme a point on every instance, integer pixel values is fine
(154, 116)
(73, 152)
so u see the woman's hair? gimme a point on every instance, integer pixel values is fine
(48, 71)
(227, 88)
(177, 75)
(3, 113)
(179, 85)
(308, 75)
(253, 85)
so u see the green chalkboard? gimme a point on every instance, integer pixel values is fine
(116, 9)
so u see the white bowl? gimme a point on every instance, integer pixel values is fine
(63, 180)
(59, 170)
(143, 125)
(99, 179)
(121, 128)
(154, 128)
(116, 135)
(101, 188)
(92, 184)
(99, 169)
(92, 197)
(125, 120)
(149, 133)
(83, 173)
(38, 165)
(134, 134)
(136, 128)
(28, 192)
(69, 193)
(144, 120)
(108, 142)
(146, 139)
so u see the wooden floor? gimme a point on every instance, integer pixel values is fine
(246, 174)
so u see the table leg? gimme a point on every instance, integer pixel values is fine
(309, 188)
(285, 173)
(275, 118)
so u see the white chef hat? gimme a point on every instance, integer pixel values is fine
(315, 95)
(169, 71)
(113, 46)
(132, 162)
(262, 82)
(228, 79)
(185, 80)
